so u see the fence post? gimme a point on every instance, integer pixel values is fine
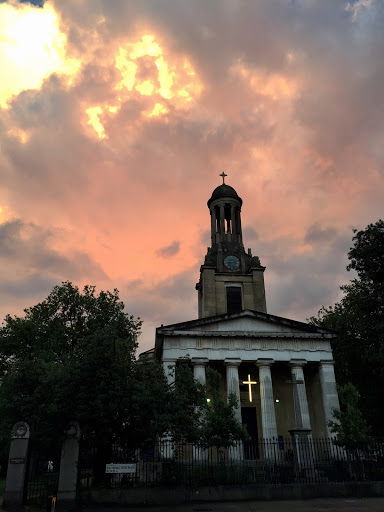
(17, 465)
(66, 495)
(303, 455)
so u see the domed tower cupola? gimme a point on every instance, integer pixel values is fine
(230, 278)
(225, 209)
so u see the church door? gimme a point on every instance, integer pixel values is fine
(251, 447)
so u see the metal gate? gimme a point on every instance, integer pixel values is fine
(42, 472)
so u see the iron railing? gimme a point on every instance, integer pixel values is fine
(264, 462)
(43, 472)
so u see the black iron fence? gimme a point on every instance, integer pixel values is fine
(42, 472)
(264, 462)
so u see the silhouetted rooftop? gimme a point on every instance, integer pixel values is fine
(224, 191)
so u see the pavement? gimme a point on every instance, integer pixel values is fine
(313, 505)
(310, 505)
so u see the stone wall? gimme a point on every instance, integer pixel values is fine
(179, 495)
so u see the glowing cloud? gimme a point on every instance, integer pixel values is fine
(93, 115)
(20, 134)
(112, 162)
(31, 48)
(272, 85)
(149, 70)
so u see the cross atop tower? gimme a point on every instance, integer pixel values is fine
(223, 175)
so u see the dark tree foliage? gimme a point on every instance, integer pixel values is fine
(151, 406)
(188, 399)
(69, 357)
(351, 429)
(72, 357)
(358, 320)
(220, 427)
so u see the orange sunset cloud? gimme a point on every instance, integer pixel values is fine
(117, 117)
(32, 47)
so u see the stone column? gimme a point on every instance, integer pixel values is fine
(301, 433)
(328, 391)
(66, 494)
(300, 396)
(233, 386)
(169, 367)
(213, 226)
(17, 463)
(239, 231)
(268, 416)
(166, 446)
(199, 364)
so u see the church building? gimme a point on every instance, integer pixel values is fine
(280, 370)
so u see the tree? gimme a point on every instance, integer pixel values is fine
(151, 405)
(188, 400)
(70, 357)
(220, 426)
(351, 429)
(358, 320)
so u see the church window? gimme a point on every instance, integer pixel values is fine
(234, 302)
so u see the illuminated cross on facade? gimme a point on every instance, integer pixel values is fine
(223, 175)
(249, 382)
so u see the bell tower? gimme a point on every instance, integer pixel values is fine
(230, 278)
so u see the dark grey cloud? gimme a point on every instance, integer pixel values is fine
(316, 234)
(21, 291)
(169, 250)
(38, 3)
(30, 266)
(168, 300)
(53, 162)
(298, 283)
(204, 239)
(249, 234)
(27, 288)
(26, 248)
(171, 300)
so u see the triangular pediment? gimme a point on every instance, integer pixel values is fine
(247, 324)
(244, 322)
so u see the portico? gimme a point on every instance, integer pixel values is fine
(288, 363)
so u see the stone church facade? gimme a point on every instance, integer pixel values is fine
(280, 370)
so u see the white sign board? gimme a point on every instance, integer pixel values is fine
(120, 468)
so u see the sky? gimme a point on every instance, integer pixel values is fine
(117, 117)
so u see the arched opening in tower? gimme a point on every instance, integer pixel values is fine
(228, 219)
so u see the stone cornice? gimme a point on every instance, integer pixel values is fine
(232, 346)
(248, 334)
(289, 329)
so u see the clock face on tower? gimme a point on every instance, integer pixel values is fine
(231, 262)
